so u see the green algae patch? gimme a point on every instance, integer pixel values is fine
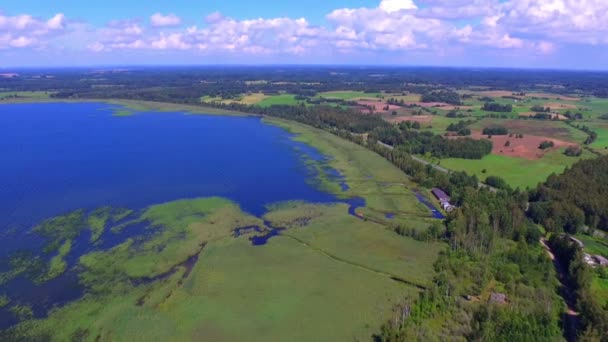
(97, 222)
(22, 312)
(4, 301)
(177, 230)
(99, 218)
(59, 229)
(119, 214)
(23, 263)
(58, 265)
(294, 213)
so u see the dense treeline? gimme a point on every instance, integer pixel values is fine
(446, 96)
(491, 242)
(497, 130)
(497, 107)
(414, 142)
(593, 319)
(149, 83)
(577, 197)
(460, 128)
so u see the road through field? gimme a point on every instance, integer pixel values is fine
(437, 167)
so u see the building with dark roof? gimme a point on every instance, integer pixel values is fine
(440, 195)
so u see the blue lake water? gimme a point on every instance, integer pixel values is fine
(60, 157)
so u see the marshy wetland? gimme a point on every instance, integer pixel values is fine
(156, 226)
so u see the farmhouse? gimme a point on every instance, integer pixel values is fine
(588, 259)
(600, 260)
(444, 199)
(576, 241)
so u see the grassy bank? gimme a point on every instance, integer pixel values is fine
(385, 188)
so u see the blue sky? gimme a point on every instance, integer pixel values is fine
(504, 33)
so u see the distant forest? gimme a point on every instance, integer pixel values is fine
(188, 84)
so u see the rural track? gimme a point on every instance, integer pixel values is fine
(570, 316)
(436, 167)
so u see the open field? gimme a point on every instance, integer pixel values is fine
(527, 95)
(542, 128)
(245, 99)
(378, 106)
(601, 128)
(348, 95)
(517, 172)
(526, 147)
(283, 99)
(423, 119)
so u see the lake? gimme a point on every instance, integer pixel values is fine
(59, 157)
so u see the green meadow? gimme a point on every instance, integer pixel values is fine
(275, 100)
(347, 95)
(517, 172)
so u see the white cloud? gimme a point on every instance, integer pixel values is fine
(22, 31)
(391, 6)
(378, 29)
(160, 20)
(528, 26)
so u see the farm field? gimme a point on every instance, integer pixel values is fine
(283, 99)
(348, 95)
(245, 99)
(541, 128)
(517, 172)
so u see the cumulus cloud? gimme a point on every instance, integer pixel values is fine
(160, 20)
(24, 30)
(537, 26)
(582, 21)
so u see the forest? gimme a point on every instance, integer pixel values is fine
(573, 199)
(415, 142)
(497, 107)
(188, 84)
